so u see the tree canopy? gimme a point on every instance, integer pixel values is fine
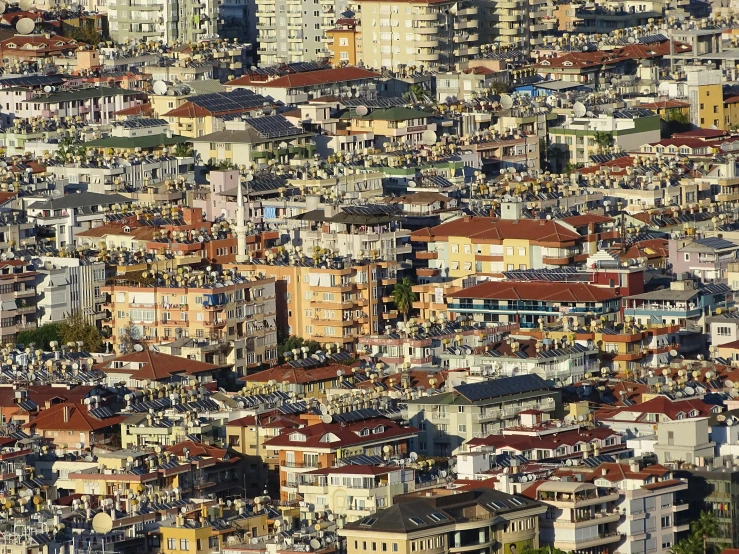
(293, 342)
(77, 328)
(41, 336)
(404, 297)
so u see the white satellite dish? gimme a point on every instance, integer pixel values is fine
(138, 348)
(579, 109)
(102, 523)
(729, 384)
(3, 7)
(429, 137)
(160, 88)
(361, 110)
(413, 456)
(326, 418)
(673, 353)
(25, 26)
(506, 101)
(25, 5)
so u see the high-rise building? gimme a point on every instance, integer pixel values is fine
(291, 31)
(438, 34)
(170, 20)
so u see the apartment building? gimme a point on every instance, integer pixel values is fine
(686, 303)
(395, 124)
(17, 299)
(488, 246)
(518, 24)
(67, 425)
(322, 445)
(66, 285)
(170, 21)
(416, 33)
(579, 516)
(63, 217)
(448, 419)
(355, 490)
(531, 304)
(630, 129)
(291, 31)
(334, 303)
(237, 313)
(443, 520)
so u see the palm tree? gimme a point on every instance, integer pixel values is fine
(404, 297)
(705, 526)
(689, 545)
(604, 140)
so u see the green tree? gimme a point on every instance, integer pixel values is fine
(41, 336)
(77, 328)
(604, 140)
(678, 116)
(691, 544)
(183, 150)
(293, 342)
(703, 527)
(404, 297)
(544, 550)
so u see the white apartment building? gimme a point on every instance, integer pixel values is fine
(355, 490)
(166, 20)
(417, 33)
(290, 31)
(67, 285)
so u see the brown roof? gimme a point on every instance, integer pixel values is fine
(197, 449)
(494, 230)
(587, 219)
(156, 365)
(347, 434)
(79, 419)
(296, 375)
(538, 290)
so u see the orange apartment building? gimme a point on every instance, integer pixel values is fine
(331, 304)
(321, 445)
(161, 307)
(344, 39)
(17, 299)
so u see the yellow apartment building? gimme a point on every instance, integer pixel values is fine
(156, 307)
(398, 123)
(345, 42)
(489, 246)
(199, 536)
(706, 97)
(331, 304)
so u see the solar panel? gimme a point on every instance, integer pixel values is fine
(101, 413)
(31, 81)
(501, 387)
(238, 99)
(273, 126)
(595, 461)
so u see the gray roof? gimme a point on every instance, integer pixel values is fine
(668, 294)
(412, 513)
(716, 243)
(84, 94)
(205, 86)
(247, 136)
(80, 200)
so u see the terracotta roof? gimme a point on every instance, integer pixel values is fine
(494, 230)
(311, 78)
(197, 449)
(701, 133)
(40, 394)
(5, 196)
(295, 375)
(479, 70)
(538, 290)
(79, 419)
(550, 441)
(39, 43)
(343, 434)
(156, 365)
(138, 109)
(614, 472)
(658, 405)
(664, 104)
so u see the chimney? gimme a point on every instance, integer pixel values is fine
(66, 414)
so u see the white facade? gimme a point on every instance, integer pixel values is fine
(68, 285)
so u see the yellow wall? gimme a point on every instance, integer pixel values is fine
(514, 258)
(711, 106)
(465, 254)
(350, 49)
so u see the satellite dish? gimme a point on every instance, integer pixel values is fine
(631, 40)
(506, 101)
(160, 88)
(48, 88)
(326, 418)
(315, 544)
(25, 5)
(429, 137)
(361, 110)
(25, 26)
(3, 7)
(413, 456)
(729, 384)
(138, 348)
(102, 523)
(673, 353)
(689, 391)
(579, 109)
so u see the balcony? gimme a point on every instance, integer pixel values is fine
(301, 465)
(25, 293)
(391, 314)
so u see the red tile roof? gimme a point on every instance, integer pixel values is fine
(79, 419)
(664, 104)
(344, 434)
(296, 375)
(138, 109)
(157, 366)
(310, 78)
(535, 290)
(701, 133)
(197, 449)
(550, 441)
(495, 230)
(614, 472)
(658, 405)
(587, 219)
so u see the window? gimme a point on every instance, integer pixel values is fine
(344, 56)
(509, 251)
(343, 42)
(184, 544)
(234, 440)
(521, 250)
(723, 331)
(171, 544)
(665, 521)
(687, 257)
(462, 428)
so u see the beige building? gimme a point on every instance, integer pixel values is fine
(355, 490)
(445, 520)
(416, 33)
(238, 313)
